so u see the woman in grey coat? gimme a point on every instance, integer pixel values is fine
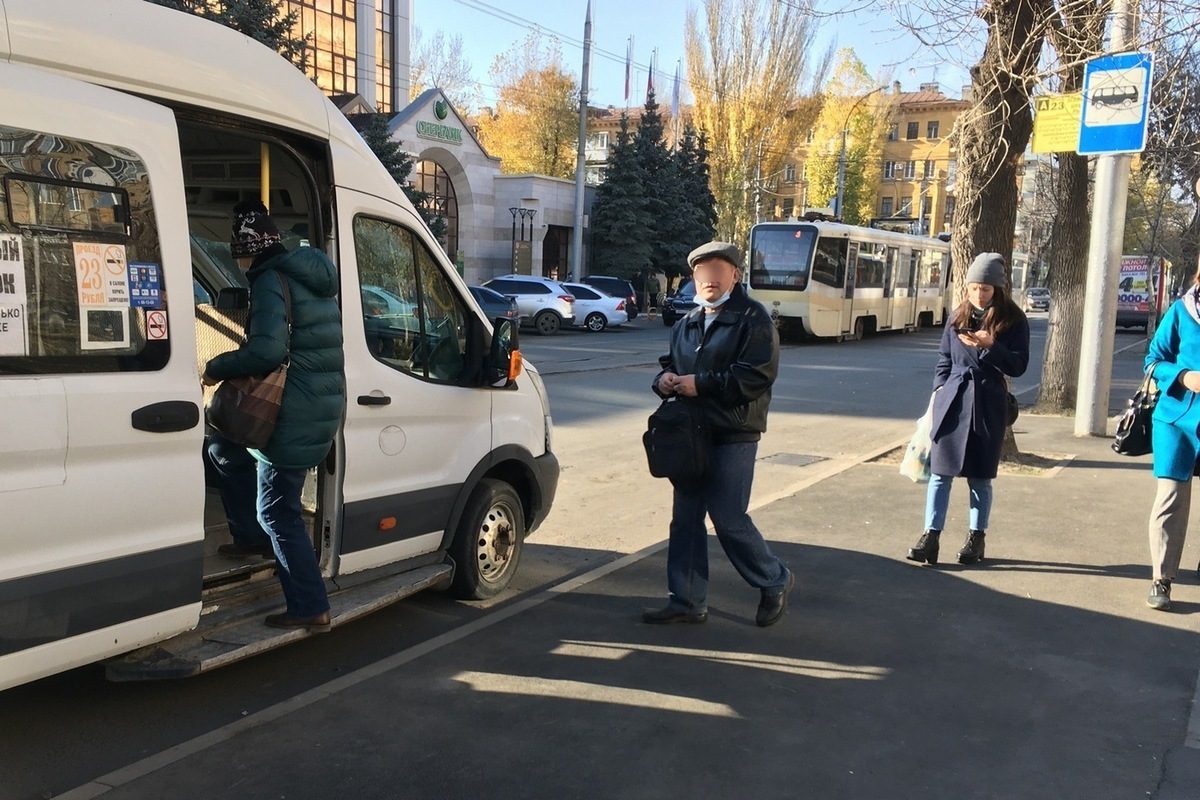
(986, 338)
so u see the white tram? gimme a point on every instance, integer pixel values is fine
(842, 281)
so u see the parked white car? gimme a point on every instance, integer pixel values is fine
(543, 303)
(597, 309)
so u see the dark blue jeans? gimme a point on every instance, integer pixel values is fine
(724, 497)
(262, 500)
(236, 477)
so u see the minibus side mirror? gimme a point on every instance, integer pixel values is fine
(504, 359)
(233, 298)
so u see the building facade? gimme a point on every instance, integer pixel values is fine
(358, 47)
(916, 187)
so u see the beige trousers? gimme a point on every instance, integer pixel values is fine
(1168, 526)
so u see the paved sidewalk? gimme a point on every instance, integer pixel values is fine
(1040, 675)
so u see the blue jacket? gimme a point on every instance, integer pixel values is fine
(1176, 348)
(314, 397)
(973, 401)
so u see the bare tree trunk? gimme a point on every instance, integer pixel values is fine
(1068, 278)
(993, 134)
(1078, 35)
(992, 137)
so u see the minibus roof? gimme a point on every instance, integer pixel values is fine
(157, 52)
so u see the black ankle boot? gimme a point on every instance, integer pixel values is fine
(972, 551)
(926, 550)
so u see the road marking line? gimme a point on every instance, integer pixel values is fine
(140, 769)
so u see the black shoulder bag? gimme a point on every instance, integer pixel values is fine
(1133, 431)
(677, 442)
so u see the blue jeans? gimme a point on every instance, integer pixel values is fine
(281, 514)
(724, 496)
(937, 500)
(262, 504)
(236, 477)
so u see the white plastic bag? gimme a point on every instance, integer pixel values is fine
(915, 464)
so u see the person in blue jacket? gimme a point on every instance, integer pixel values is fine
(261, 489)
(1174, 361)
(985, 339)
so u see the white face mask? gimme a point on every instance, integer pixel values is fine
(700, 301)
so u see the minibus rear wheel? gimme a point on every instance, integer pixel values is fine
(487, 546)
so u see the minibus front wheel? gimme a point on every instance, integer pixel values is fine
(487, 546)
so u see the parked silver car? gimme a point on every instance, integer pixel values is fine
(596, 308)
(542, 303)
(1037, 298)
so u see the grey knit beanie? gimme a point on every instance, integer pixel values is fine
(987, 268)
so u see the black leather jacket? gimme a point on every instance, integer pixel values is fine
(735, 363)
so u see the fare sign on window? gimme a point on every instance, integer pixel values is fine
(101, 274)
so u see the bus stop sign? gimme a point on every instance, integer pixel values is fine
(1116, 104)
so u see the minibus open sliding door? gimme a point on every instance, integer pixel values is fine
(101, 476)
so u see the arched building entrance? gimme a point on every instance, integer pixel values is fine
(433, 180)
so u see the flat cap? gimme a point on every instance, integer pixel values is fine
(724, 250)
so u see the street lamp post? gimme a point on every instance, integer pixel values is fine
(841, 176)
(514, 212)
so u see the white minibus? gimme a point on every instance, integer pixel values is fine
(127, 133)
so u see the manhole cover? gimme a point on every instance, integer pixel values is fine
(792, 459)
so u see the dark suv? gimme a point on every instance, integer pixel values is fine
(617, 287)
(678, 304)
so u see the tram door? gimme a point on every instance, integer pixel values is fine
(889, 288)
(847, 322)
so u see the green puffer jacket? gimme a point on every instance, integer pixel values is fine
(314, 397)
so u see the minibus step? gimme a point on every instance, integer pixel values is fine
(227, 635)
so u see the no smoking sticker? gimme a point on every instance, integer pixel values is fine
(156, 326)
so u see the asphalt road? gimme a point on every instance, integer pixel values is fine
(834, 404)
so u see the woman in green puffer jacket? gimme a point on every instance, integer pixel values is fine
(261, 489)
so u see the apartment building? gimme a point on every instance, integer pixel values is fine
(917, 178)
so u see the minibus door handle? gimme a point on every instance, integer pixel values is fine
(374, 400)
(166, 417)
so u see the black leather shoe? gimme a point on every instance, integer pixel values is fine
(772, 606)
(972, 551)
(926, 550)
(245, 551)
(318, 624)
(672, 614)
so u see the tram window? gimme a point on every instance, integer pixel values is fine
(780, 257)
(829, 263)
(870, 266)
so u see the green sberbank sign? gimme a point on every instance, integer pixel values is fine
(436, 130)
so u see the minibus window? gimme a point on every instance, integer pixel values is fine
(81, 281)
(413, 319)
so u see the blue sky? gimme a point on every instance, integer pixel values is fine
(489, 27)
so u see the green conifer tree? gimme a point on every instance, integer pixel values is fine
(620, 234)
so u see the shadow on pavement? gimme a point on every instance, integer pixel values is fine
(885, 680)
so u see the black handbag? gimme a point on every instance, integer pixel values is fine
(1013, 408)
(1133, 431)
(677, 442)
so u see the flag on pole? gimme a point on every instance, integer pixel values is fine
(628, 67)
(675, 93)
(650, 75)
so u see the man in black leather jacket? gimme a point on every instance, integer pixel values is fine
(725, 356)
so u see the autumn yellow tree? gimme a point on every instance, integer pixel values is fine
(851, 103)
(752, 79)
(535, 122)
